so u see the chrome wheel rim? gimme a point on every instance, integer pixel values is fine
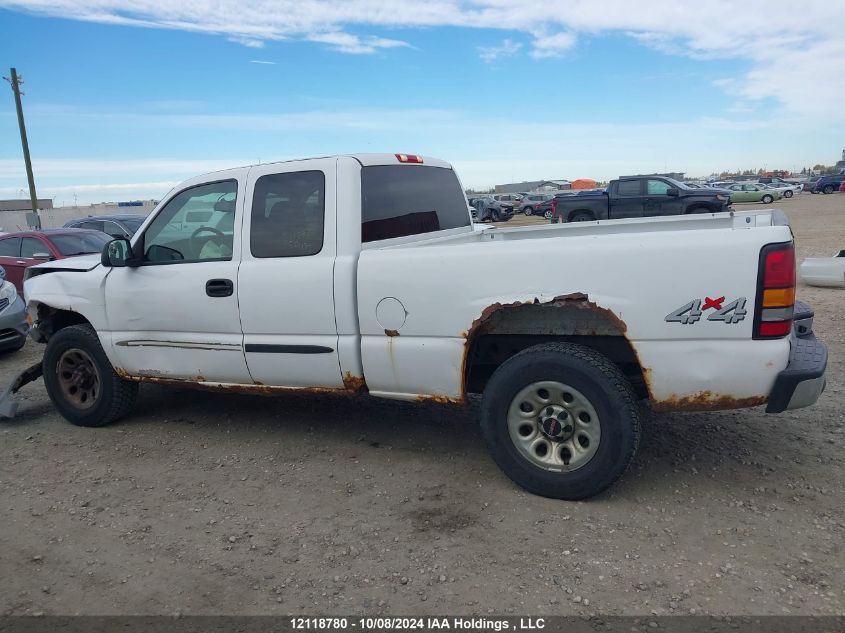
(79, 378)
(554, 426)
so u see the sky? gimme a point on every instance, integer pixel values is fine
(125, 98)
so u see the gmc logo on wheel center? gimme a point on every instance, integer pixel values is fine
(691, 312)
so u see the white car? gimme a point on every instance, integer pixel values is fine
(364, 274)
(824, 271)
(787, 190)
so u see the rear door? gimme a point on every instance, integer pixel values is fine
(286, 277)
(10, 259)
(629, 200)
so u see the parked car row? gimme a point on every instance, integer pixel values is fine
(487, 208)
(828, 184)
(121, 225)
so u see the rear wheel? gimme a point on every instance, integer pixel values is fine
(788, 193)
(81, 381)
(528, 211)
(548, 214)
(561, 420)
(767, 199)
(582, 216)
(828, 189)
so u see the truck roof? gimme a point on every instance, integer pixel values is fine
(366, 160)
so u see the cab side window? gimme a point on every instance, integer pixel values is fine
(658, 187)
(196, 225)
(288, 213)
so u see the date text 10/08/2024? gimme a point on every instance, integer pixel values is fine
(418, 624)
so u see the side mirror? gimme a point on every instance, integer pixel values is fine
(43, 256)
(672, 191)
(117, 253)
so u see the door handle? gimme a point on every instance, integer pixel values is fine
(219, 287)
(20, 262)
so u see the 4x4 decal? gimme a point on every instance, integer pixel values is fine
(691, 312)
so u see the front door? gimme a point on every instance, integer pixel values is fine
(656, 200)
(286, 278)
(175, 316)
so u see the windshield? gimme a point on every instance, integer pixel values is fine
(676, 183)
(133, 225)
(80, 243)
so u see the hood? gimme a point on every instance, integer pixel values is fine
(80, 262)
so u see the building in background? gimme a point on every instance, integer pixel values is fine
(533, 186)
(13, 213)
(24, 204)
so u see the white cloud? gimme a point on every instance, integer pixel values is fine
(553, 45)
(247, 41)
(506, 49)
(348, 43)
(518, 149)
(774, 36)
(778, 40)
(262, 61)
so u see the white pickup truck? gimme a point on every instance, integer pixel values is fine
(365, 274)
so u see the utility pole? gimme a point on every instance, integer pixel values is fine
(16, 88)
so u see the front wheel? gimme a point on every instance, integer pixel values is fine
(561, 420)
(788, 193)
(828, 189)
(527, 210)
(81, 381)
(767, 199)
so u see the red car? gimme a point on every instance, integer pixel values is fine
(19, 251)
(842, 187)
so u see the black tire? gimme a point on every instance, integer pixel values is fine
(495, 216)
(548, 214)
(14, 348)
(767, 199)
(600, 381)
(114, 398)
(788, 193)
(527, 211)
(582, 216)
(828, 189)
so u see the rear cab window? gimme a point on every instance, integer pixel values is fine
(628, 188)
(402, 200)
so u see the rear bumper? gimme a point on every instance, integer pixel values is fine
(803, 380)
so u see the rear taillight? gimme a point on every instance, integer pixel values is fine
(554, 206)
(775, 291)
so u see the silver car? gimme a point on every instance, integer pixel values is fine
(13, 325)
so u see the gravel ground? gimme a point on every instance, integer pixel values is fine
(200, 503)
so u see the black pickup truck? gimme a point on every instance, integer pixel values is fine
(638, 196)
